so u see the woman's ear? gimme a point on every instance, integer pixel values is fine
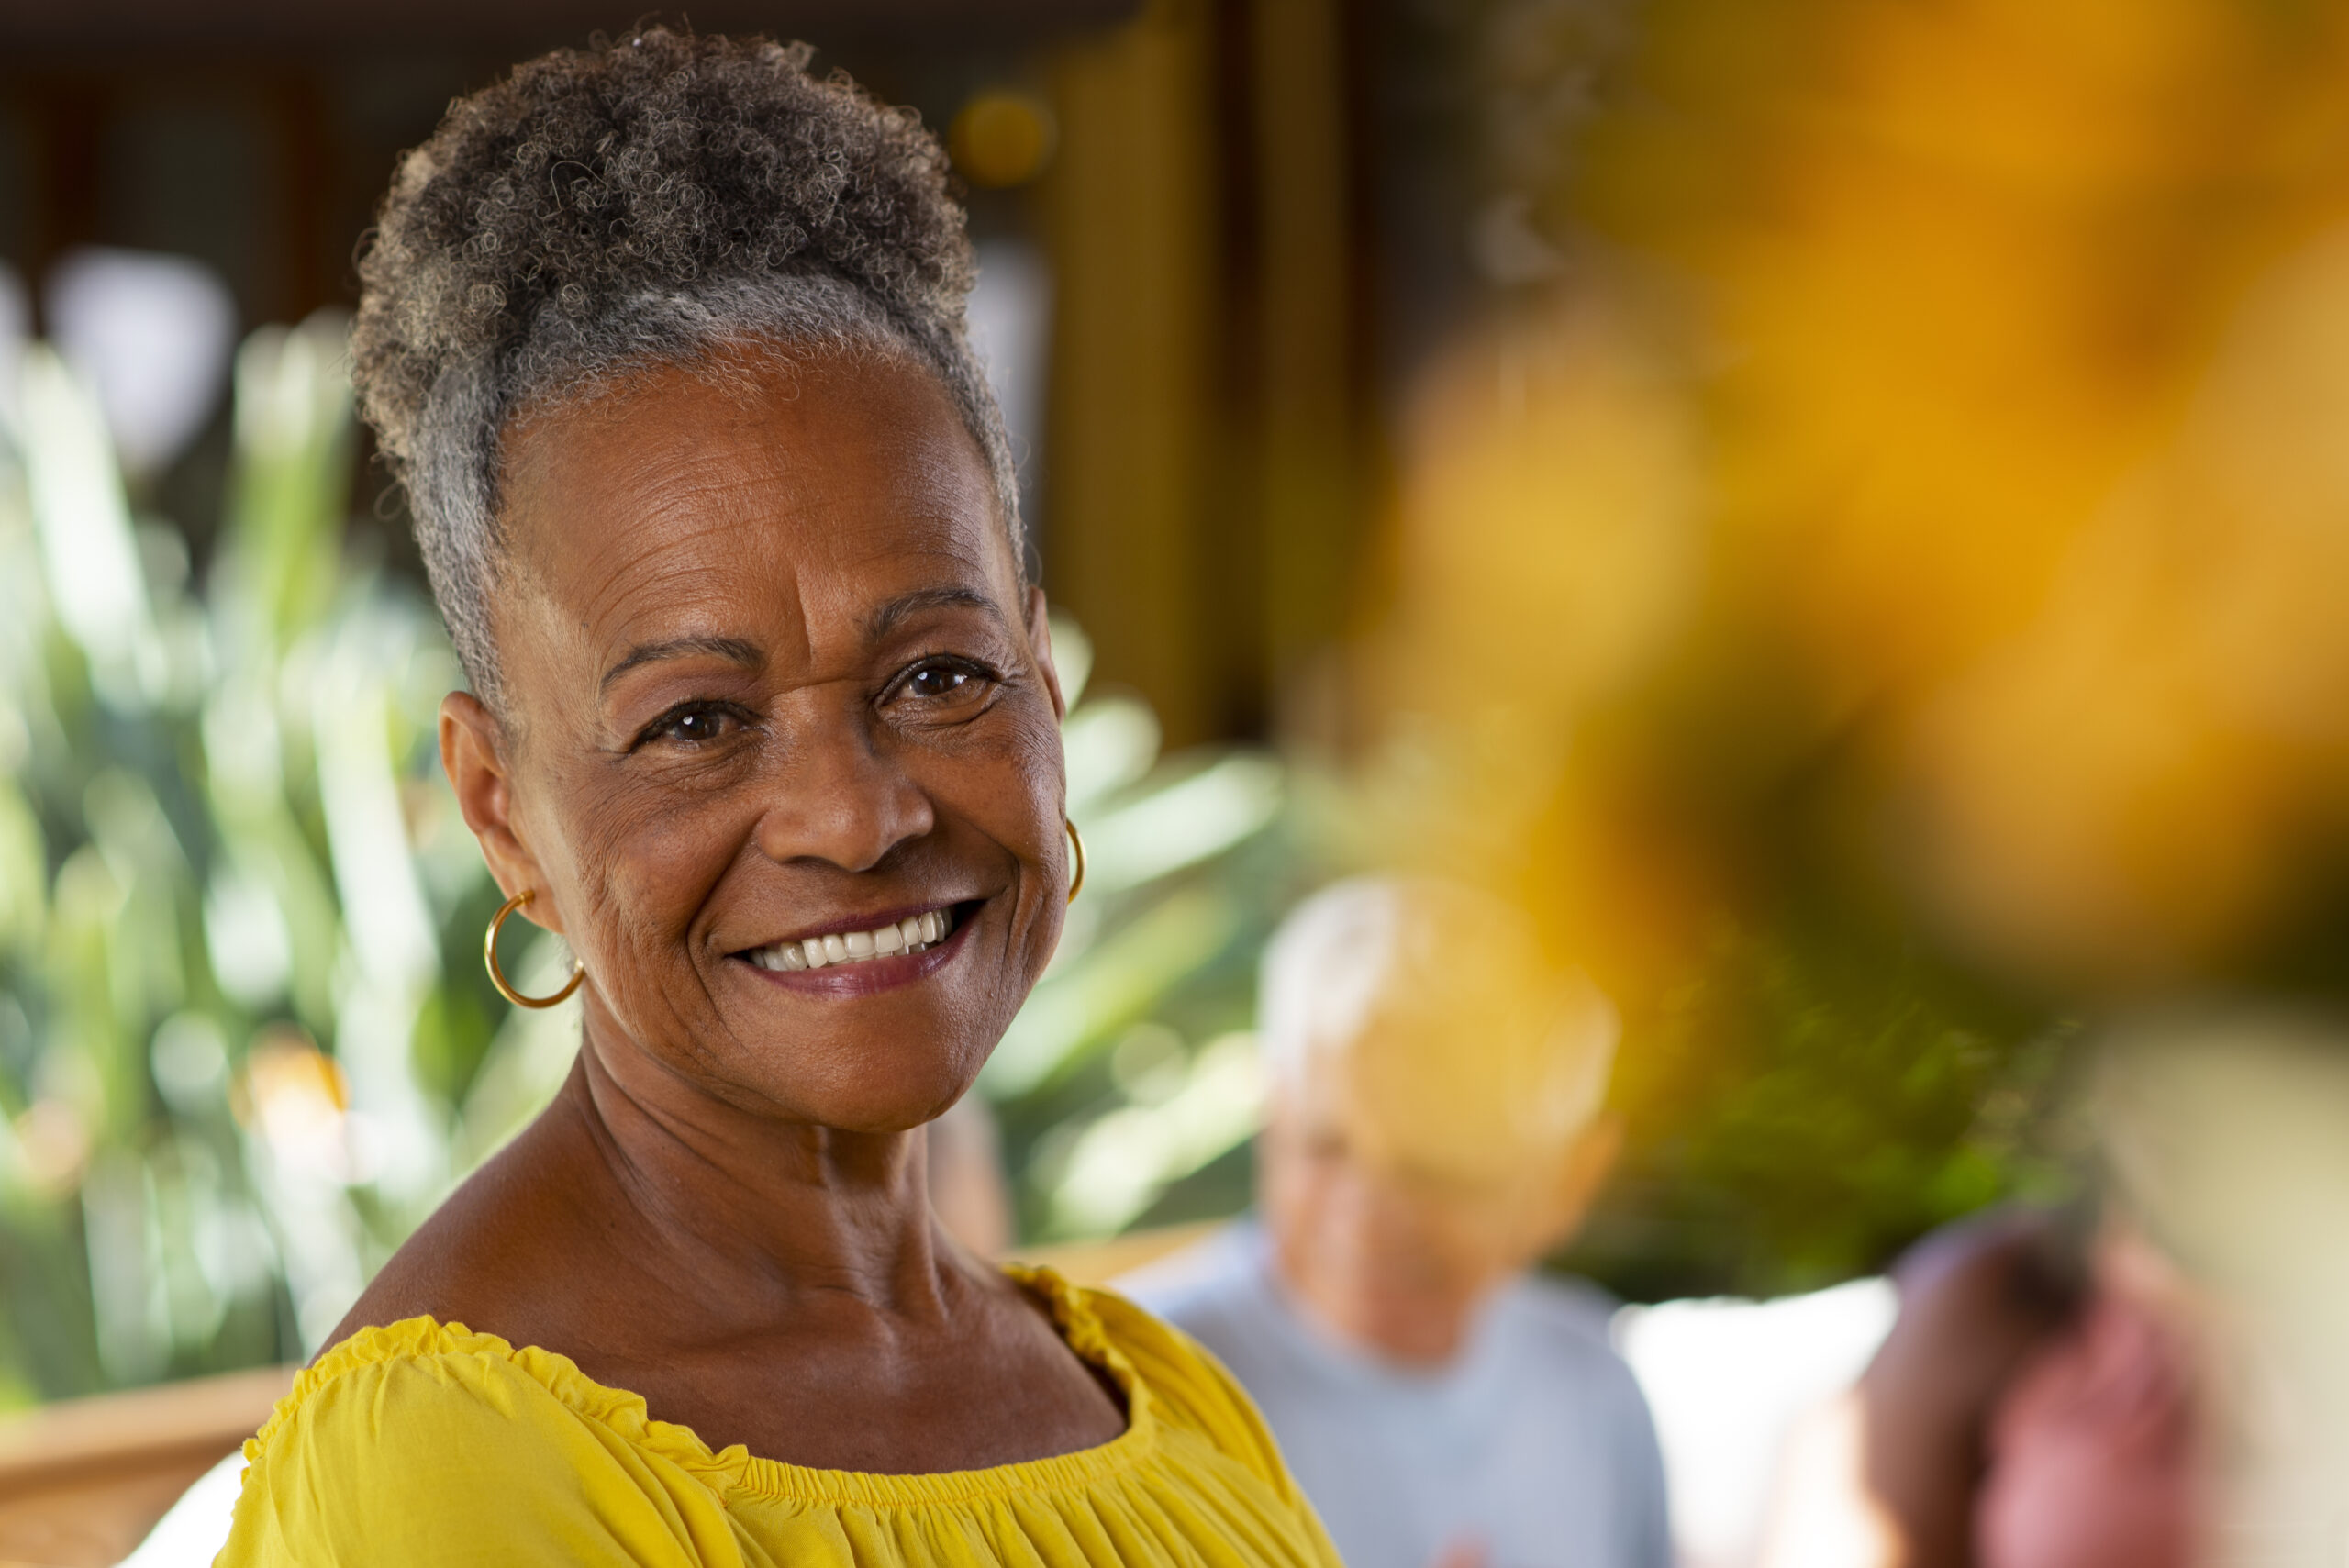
(1039, 637)
(472, 752)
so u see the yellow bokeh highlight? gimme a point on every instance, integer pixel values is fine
(1998, 437)
(1000, 138)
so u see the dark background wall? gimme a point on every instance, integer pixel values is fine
(1218, 246)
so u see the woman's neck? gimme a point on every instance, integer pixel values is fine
(760, 1213)
(774, 1285)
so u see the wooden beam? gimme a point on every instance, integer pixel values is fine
(1307, 453)
(1130, 215)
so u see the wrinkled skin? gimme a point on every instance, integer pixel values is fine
(769, 671)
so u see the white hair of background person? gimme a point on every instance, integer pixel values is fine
(1361, 948)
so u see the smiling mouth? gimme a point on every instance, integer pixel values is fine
(911, 935)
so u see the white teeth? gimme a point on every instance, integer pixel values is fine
(910, 934)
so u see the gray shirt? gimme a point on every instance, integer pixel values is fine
(1534, 1440)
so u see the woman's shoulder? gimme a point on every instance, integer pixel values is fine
(442, 1364)
(513, 1444)
(512, 1249)
(420, 1392)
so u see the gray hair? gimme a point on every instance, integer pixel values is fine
(661, 200)
(1439, 992)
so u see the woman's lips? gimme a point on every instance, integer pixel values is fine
(917, 958)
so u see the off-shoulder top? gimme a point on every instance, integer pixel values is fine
(424, 1443)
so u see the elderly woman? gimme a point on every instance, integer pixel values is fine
(665, 340)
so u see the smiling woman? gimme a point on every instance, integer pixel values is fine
(665, 338)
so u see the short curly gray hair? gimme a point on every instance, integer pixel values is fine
(658, 199)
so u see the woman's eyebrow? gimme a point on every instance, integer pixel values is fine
(733, 650)
(885, 619)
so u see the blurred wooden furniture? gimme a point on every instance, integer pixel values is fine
(82, 1482)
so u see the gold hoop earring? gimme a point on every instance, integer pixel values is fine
(1076, 873)
(497, 976)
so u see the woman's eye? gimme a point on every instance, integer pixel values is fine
(937, 681)
(694, 725)
(944, 682)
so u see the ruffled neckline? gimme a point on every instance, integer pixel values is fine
(734, 1466)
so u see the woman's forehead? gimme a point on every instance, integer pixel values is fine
(813, 494)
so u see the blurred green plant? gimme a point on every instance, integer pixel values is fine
(1816, 1098)
(238, 1018)
(1131, 1071)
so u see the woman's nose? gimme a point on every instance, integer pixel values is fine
(834, 795)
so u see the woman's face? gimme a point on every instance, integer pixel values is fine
(771, 677)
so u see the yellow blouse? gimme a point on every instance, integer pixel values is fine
(424, 1443)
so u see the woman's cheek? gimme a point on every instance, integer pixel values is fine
(1034, 792)
(655, 854)
(1035, 779)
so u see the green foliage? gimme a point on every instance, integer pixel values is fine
(1131, 1072)
(222, 932)
(1821, 1094)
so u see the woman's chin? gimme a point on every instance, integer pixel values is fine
(878, 1081)
(875, 1109)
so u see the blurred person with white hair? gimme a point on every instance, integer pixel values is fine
(1434, 1130)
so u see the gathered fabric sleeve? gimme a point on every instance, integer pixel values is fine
(449, 1455)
